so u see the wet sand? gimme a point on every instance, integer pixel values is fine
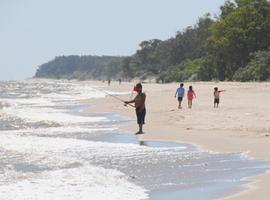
(240, 124)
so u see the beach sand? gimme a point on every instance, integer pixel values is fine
(240, 124)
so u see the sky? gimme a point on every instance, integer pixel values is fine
(33, 32)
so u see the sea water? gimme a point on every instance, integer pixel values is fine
(52, 149)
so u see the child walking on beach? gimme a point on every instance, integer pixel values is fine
(190, 95)
(217, 96)
(180, 92)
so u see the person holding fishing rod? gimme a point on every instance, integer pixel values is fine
(139, 101)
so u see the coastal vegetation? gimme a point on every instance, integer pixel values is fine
(235, 45)
(81, 67)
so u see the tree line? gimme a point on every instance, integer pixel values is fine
(81, 67)
(235, 45)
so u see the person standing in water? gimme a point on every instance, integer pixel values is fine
(139, 101)
(217, 96)
(190, 95)
(180, 92)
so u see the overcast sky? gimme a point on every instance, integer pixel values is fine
(35, 31)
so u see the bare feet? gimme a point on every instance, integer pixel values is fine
(139, 133)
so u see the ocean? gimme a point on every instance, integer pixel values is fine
(52, 149)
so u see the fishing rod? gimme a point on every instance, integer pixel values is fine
(114, 96)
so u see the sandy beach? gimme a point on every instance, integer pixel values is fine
(240, 124)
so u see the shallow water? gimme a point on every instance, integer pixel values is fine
(51, 149)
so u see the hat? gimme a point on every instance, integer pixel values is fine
(139, 85)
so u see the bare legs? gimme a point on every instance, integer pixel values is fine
(140, 129)
(189, 103)
(179, 106)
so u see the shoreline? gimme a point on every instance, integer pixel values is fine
(235, 127)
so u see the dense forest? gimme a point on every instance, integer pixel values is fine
(82, 67)
(232, 46)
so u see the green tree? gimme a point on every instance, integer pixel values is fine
(258, 69)
(242, 29)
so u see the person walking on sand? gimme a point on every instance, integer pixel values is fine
(139, 101)
(180, 92)
(217, 96)
(190, 95)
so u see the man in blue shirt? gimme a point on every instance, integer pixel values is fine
(180, 92)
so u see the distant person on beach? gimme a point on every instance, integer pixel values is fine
(120, 81)
(109, 82)
(139, 101)
(190, 95)
(180, 92)
(217, 96)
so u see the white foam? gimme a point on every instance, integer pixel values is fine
(72, 129)
(30, 144)
(40, 107)
(3, 104)
(58, 177)
(82, 183)
(36, 114)
(37, 101)
(55, 131)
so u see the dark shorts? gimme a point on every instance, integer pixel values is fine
(180, 98)
(216, 101)
(140, 115)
